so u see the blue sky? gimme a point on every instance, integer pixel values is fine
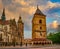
(55, 0)
(27, 8)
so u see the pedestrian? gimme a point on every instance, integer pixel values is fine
(26, 44)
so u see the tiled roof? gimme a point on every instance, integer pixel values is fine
(4, 22)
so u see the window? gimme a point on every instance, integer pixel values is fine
(5, 28)
(40, 33)
(40, 21)
(40, 27)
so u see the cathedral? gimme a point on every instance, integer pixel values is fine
(10, 30)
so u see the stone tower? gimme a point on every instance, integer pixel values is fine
(39, 25)
(21, 28)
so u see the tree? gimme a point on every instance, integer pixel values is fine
(55, 38)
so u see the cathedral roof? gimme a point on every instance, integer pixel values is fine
(38, 11)
(4, 22)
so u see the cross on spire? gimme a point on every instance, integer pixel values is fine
(37, 6)
(38, 11)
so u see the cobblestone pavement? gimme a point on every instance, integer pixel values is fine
(33, 47)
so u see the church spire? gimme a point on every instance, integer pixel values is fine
(3, 15)
(38, 11)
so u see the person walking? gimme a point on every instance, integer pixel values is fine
(26, 44)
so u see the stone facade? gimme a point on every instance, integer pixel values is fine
(39, 25)
(10, 30)
(39, 28)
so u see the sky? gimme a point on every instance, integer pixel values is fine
(27, 8)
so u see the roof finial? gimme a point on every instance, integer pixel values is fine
(37, 6)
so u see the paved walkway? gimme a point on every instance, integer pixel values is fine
(33, 47)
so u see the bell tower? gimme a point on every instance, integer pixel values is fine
(39, 25)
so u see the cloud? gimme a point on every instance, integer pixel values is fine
(6, 2)
(55, 24)
(54, 10)
(10, 15)
(50, 6)
(23, 3)
(52, 27)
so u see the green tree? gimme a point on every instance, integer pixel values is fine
(55, 38)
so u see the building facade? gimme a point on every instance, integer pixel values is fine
(10, 30)
(4, 28)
